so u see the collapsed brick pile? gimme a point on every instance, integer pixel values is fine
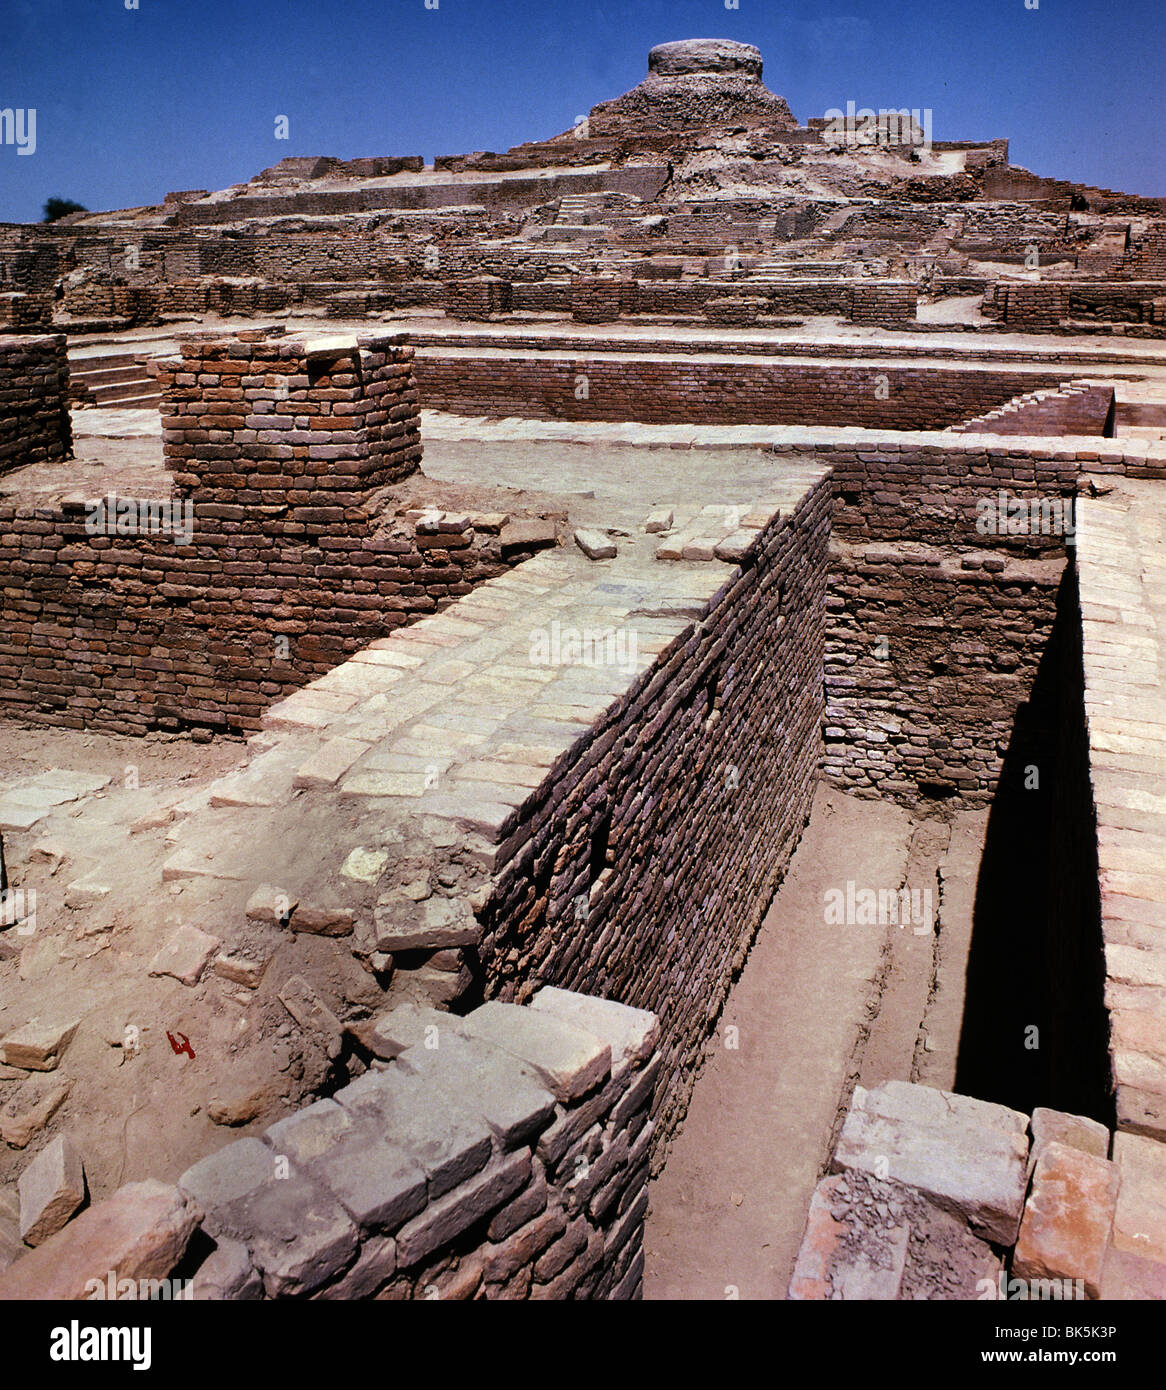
(939, 1196)
(516, 1168)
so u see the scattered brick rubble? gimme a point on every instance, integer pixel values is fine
(501, 1155)
(938, 1196)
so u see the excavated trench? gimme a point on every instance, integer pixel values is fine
(1001, 1000)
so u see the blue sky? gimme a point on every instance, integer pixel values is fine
(132, 103)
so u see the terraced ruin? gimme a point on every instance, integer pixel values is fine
(587, 722)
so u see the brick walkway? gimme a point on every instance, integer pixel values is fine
(1122, 562)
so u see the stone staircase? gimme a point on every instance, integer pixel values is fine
(1077, 407)
(579, 218)
(577, 209)
(118, 380)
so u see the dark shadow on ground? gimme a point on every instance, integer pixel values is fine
(1036, 958)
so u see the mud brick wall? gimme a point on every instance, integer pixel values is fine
(928, 656)
(499, 1156)
(601, 299)
(1034, 306)
(659, 390)
(34, 415)
(673, 822)
(478, 298)
(883, 304)
(132, 632)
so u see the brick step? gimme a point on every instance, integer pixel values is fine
(106, 375)
(78, 365)
(133, 402)
(140, 389)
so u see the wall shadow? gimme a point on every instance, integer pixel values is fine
(1036, 959)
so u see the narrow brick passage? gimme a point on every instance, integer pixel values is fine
(818, 1007)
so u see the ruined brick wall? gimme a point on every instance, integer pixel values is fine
(544, 297)
(688, 298)
(279, 451)
(936, 618)
(1034, 306)
(640, 181)
(34, 388)
(1116, 303)
(477, 298)
(499, 1156)
(929, 655)
(257, 423)
(738, 391)
(1076, 409)
(883, 304)
(22, 312)
(602, 298)
(642, 868)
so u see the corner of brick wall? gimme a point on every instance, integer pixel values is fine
(503, 1155)
(34, 390)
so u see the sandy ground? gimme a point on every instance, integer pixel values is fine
(817, 1009)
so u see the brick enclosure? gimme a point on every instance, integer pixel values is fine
(287, 454)
(34, 419)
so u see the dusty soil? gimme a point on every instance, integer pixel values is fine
(817, 1009)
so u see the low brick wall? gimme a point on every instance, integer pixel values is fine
(602, 298)
(280, 453)
(34, 415)
(883, 304)
(22, 312)
(1033, 306)
(644, 864)
(500, 1156)
(478, 298)
(667, 390)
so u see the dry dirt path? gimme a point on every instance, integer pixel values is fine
(728, 1210)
